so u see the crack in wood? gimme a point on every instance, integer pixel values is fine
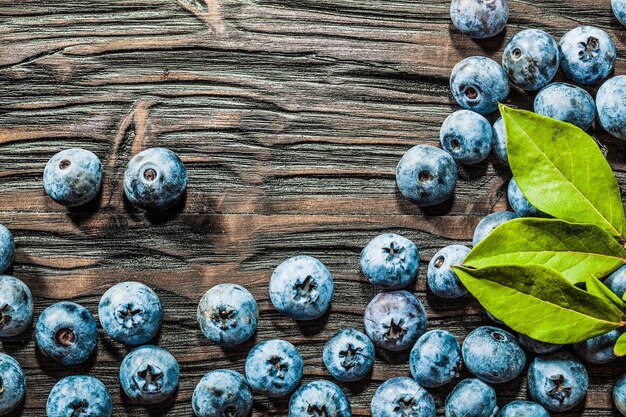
(211, 13)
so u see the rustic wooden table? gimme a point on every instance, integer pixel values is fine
(290, 116)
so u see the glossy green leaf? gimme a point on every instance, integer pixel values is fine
(561, 171)
(597, 288)
(620, 346)
(569, 248)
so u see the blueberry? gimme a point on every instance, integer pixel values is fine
(16, 306)
(274, 368)
(394, 320)
(319, 399)
(131, 313)
(599, 349)
(222, 393)
(435, 359)
(480, 18)
(73, 177)
(531, 59)
(400, 397)
(557, 381)
(619, 10)
(587, 55)
(390, 261)
(619, 395)
(479, 84)
(79, 396)
(155, 179)
(523, 409)
(519, 203)
(149, 374)
(467, 136)
(442, 280)
(567, 103)
(228, 314)
(302, 288)
(493, 355)
(67, 333)
(612, 106)
(490, 222)
(499, 141)
(426, 175)
(7, 248)
(349, 355)
(536, 346)
(617, 281)
(471, 398)
(12, 384)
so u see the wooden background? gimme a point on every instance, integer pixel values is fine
(290, 116)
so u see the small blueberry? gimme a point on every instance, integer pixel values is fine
(567, 103)
(149, 374)
(73, 177)
(490, 222)
(402, 397)
(587, 55)
(499, 141)
(480, 18)
(519, 203)
(523, 409)
(222, 393)
(12, 384)
(471, 398)
(274, 368)
(619, 395)
(467, 136)
(479, 83)
(599, 349)
(619, 10)
(7, 248)
(531, 59)
(617, 281)
(536, 346)
(612, 106)
(16, 306)
(319, 399)
(79, 396)
(442, 280)
(435, 359)
(390, 261)
(349, 355)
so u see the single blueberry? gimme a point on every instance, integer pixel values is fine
(222, 393)
(16, 306)
(79, 396)
(519, 203)
(426, 175)
(319, 399)
(617, 282)
(536, 346)
(479, 83)
(557, 381)
(402, 397)
(228, 314)
(587, 55)
(435, 359)
(523, 409)
(490, 222)
(274, 368)
(349, 355)
(12, 384)
(599, 349)
(531, 59)
(471, 398)
(567, 103)
(390, 261)
(619, 10)
(149, 374)
(442, 280)
(73, 177)
(395, 320)
(467, 136)
(499, 141)
(619, 395)
(480, 18)
(612, 106)
(7, 248)
(155, 179)
(67, 333)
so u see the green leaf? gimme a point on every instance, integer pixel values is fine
(568, 248)
(597, 288)
(539, 302)
(562, 172)
(620, 346)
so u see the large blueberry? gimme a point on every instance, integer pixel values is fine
(480, 18)
(599, 349)
(67, 333)
(523, 409)
(567, 103)
(274, 368)
(531, 59)
(73, 177)
(519, 203)
(426, 175)
(619, 10)
(435, 359)
(390, 261)
(302, 288)
(612, 106)
(7, 248)
(617, 281)
(349, 355)
(12, 384)
(467, 136)
(619, 395)
(400, 397)
(587, 54)
(16, 306)
(394, 320)
(536, 346)
(228, 314)
(222, 393)
(79, 396)
(471, 398)
(149, 374)
(319, 399)
(499, 141)
(442, 280)
(490, 222)
(479, 83)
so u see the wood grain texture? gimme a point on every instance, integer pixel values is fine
(290, 116)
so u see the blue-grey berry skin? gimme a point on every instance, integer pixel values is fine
(523, 409)
(399, 397)
(12, 384)
(442, 280)
(149, 374)
(395, 320)
(471, 398)
(228, 315)
(7, 248)
(131, 313)
(619, 10)
(222, 393)
(499, 141)
(16, 306)
(567, 103)
(435, 359)
(599, 349)
(79, 396)
(531, 59)
(619, 395)
(274, 368)
(558, 381)
(349, 355)
(480, 18)
(493, 318)
(587, 55)
(617, 281)
(479, 83)
(73, 177)
(519, 203)
(490, 222)
(302, 288)
(426, 175)
(390, 261)
(155, 179)
(536, 346)
(67, 333)
(612, 106)
(319, 398)
(467, 136)
(493, 355)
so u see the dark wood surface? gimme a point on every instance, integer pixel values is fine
(290, 116)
